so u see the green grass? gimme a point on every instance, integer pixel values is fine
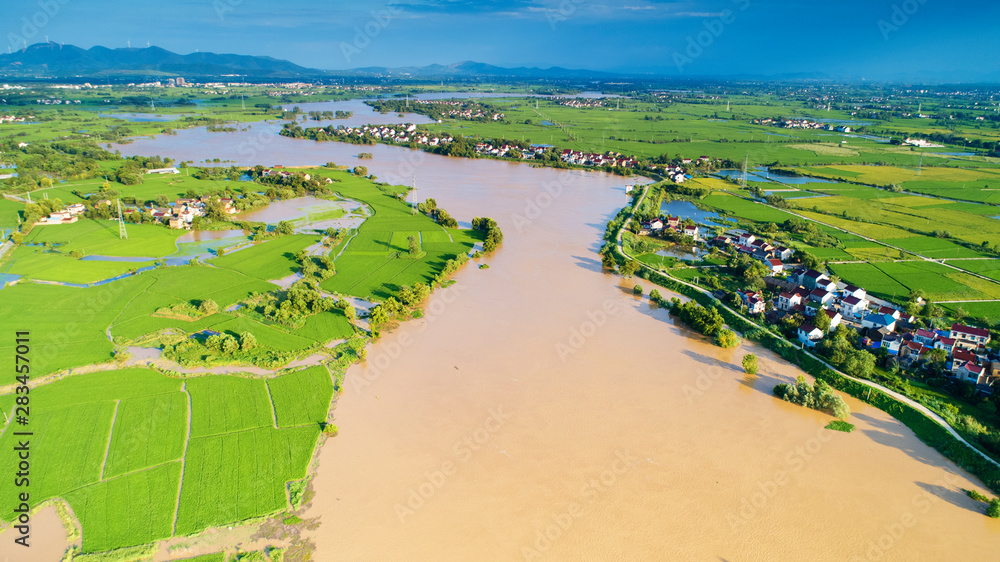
(238, 476)
(302, 397)
(236, 464)
(136, 508)
(148, 431)
(216, 557)
(896, 280)
(9, 212)
(222, 404)
(742, 208)
(100, 237)
(270, 260)
(36, 263)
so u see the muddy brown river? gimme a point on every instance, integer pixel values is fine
(540, 411)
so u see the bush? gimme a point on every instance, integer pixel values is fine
(818, 397)
(750, 365)
(654, 296)
(208, 306)
(637, 290)
(727, 338)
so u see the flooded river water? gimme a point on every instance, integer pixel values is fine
(539, 410)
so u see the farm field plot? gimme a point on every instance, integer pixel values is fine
(237, 476)
(990, 268)
(148, 430)
(141, 326)
(195, 283)
(897, 280)
(133, 509)
(273, 259)
(302, 397)
(988, 311)
(937, 248)
(326, 326)
(35, 263)
(94, 237)
(224, 404)
(139, 417)
(876, 231)
(65, 341)
(266, 336)
(9, 212)
(746, 209)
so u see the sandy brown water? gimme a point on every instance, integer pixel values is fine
(46, 539)
(540, 411)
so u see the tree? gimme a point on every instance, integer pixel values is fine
(822, 321)
(936, 358)
(750, 365)
(727, 338)
(631, 266)
(17, 238)
(285, 228)
(351, 313)
(414, 246)
(379, 316)
(208, 306)
(654, 296)
(360, 171)
(247, 341)
(229, 344)
(637, 290)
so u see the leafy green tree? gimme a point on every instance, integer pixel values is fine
(750, 365)
(229, 344)
(821, 320)
(379, 316)
(360, 171)
(247, 341)
(637, 290)
(414, 246)
(726, 338)
(285, 228)
(631, 266)
(208, 306)
(655, 296)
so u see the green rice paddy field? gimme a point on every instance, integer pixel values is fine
(119, 447)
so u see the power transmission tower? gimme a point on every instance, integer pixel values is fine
(122, 234)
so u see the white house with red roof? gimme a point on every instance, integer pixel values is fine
(969, 337)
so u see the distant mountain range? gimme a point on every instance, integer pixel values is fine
(52, 60)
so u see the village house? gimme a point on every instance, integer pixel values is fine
(783, 253)
(811, 278)
(924, 337)
(809, 334)
(879, 321)
(969, 371)
(960, 358)
(852, 291)
(746, 239)
(834, 317)
(851, 306)
(789, 299)
(754, 302)
(161, 171)
(968, 337)
(774, 265)
(692, 231)
(821, 296)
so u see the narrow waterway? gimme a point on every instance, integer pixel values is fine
(540, 410)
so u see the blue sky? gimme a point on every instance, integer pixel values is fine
(858, 39)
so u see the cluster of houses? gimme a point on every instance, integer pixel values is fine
(880, 324)
(592, 159)
(12, 119)
(676, 173)
(670, 223)
(396, 134)
(506, 150)
(68, 215)
(773, 257)
(464, 111)
(800, 124)
(183, 211)
(57, 102)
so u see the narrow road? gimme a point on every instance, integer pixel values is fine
(904, 399)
